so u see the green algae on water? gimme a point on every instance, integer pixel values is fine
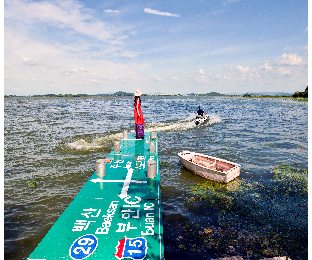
(292, 180)
(33, 183)
(223, 241)
(166, 164)
(214, 194)
(254, 219)
(270, 145)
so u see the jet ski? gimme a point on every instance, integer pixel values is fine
(201, 119)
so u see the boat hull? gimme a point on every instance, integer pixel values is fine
(199, 121)
(209, 167)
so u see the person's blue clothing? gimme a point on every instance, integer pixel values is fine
(200, 112)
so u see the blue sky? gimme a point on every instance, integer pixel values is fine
(94, 47)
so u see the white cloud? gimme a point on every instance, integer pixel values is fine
(29, 61)
(92, 49)
(74, 71)
(157, 79)
(67, 72)
(255, 70)
(82, 69)
(245, 73)
(266, 66)
(289, 59)
(151, 11)
(94, 81)
(201, 71)
(119, 40)
(64, 65)
(284, 71)
(33, 79)
(200, 79)
(241, 69)
(111, 11)
(220, 77)
(60, 14)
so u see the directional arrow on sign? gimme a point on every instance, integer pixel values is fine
(133, 181)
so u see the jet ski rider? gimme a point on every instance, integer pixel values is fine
(200, 113)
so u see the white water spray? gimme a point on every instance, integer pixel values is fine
(182, 125)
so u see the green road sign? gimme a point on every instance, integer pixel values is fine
(117, 216)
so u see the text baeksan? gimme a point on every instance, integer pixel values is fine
(107, 218)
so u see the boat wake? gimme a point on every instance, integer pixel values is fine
(95, 144)
(184, 124)
(104, 141)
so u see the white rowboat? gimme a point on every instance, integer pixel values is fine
(209, 167)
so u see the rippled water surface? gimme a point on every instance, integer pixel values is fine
(55, 142)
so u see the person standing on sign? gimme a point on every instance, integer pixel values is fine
(138, 115)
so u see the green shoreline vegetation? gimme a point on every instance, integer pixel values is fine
(297, 95)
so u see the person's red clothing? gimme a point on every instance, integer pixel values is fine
(138, 118)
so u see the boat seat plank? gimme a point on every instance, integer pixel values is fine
(212, 163)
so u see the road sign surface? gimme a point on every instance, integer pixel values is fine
(117, 216)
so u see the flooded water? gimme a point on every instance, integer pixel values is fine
(51, 146)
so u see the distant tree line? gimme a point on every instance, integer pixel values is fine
(304, 94)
